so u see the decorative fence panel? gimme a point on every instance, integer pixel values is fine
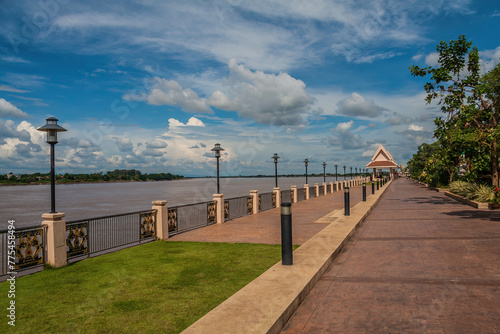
(85, 237)
(191, 216)
(22, 250)
(312, 192)
(266, 201)
(239, 207)
(286, 196)
(301, 195)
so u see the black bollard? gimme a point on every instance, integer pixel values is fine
(364, 191)
(377, 185)
(373, 187)
(286, 234)
(347, 208)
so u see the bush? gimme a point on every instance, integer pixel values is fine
(469, 190)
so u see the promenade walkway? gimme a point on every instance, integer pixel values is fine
(265, 227)
(419, 263)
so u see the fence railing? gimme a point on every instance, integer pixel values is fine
(26, 254)
(286, 196)
(188, 217)
(267, 201)
(312, 192)
(301, 195)
(238, 207)
(86, 237)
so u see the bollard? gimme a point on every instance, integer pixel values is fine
(286, 234)
(347, 209)
(364, 192)
(377, 185)
(373, 187)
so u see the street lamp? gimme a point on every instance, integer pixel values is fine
(344, 172)
(217, 149)
(306, 162)
(336, 175)
(324, 171)
(52, 128)
(351, 173)
(356, 171)
(275, 157)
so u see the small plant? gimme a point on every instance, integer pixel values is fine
(484, 193)
(496, 198)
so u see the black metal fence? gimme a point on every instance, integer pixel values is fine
(286, 196)
(312, 192)
(188, 217)
(301, 194)
(22, 250)
(99, 235)
(267, 201)
(238, 207)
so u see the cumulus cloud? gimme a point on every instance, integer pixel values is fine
(193, 121)
(124, 144)
(343, 137)
(156, 144)
(7, 109)
(266, 98)
(417, 134)
(342, 127)
(7, 130)
(414, 127)
(356, 105)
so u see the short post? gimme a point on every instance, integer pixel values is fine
(316, 190)
(325, 189)
(255, 200)
(373, 187)
(377, 185)
(306, 190)
(277, 193)
(219, 203)
(347, 204)
(286, 234)
(161, 219)
(364, 192)
(331, 187)
(56, 239)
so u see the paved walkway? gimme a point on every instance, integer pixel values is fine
(420, 263)
(265, 227)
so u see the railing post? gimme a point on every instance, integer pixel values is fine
(278, 196)
(316, 190)
(377, 185)
(306, 190)
(364, 192)
(373, 187)
(56, 239)
(219, 204)
(161, 219)
(286, 234)
(294, 192)
(255, 200)
(331, 187)
(325, 190)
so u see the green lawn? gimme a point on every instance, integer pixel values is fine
(160, 287)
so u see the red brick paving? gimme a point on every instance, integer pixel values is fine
(420, 263)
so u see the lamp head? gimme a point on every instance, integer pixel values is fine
(217, 149)
(52, 128)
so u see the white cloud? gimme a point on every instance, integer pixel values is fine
(7, 109)
(344, 126)
(432, 59)
(193, 121)
(6, 88)
(414, 127)
(169, 92)
(356, 105)
(266, 98)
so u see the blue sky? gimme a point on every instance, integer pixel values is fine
(153, 85)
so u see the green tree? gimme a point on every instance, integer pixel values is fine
(469, 101)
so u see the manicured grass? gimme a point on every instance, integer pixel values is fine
(160, 287)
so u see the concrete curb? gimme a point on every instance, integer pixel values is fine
(477, 205)
(267, 303)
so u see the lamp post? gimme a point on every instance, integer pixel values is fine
(324, 171)
(52, 128)
(344, 172)
(336, 175)
(217, 149)
(356, 171)
(306, 162)
(351, 172)
(275, 157)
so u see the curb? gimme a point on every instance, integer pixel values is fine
(477, 205)
(267, 303)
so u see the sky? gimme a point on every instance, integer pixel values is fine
(154, 84)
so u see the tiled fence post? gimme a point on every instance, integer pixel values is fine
(255, 200)
(56, 239)
(278, 196)
(161, 219)
(306, 190)
(219, 203)
(294, 194)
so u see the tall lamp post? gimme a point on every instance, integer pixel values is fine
(356, 171)
(217, 149)
(324, 171)
(52, 128)
(336, 174)
(275, 157)
(344, 172)
(306, 162)
(351, 173)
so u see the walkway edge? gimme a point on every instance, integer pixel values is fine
(267, 303)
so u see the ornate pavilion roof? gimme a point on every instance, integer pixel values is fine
(382, 159)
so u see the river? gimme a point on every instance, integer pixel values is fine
(25, 204)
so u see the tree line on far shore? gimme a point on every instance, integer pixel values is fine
(110, 176)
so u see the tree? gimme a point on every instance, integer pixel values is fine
(469, 101)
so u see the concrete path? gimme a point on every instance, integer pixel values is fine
(265, 227)
(419, 263)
